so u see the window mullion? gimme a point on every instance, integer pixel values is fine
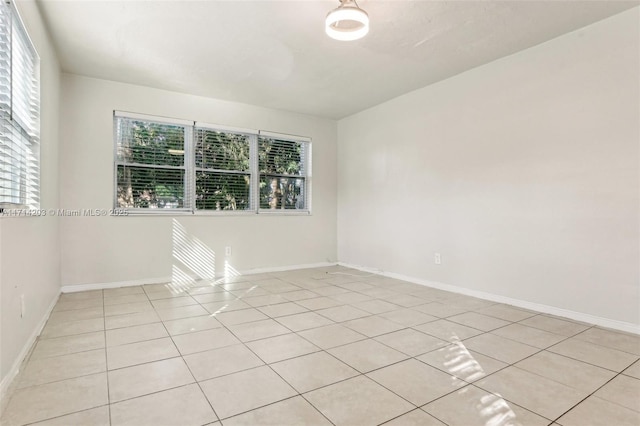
(190, 136)
(255, 178)
(116, 141)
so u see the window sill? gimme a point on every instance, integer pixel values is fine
(213, 213)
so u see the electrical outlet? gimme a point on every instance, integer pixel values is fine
(227, 251)
(437, 259)
(22, 308)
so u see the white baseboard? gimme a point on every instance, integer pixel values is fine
(287, 268)
(160, 280)
(7, 381)
(547, 309)
(115, 284)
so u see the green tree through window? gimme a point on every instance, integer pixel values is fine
(151, 168)
(165, 165)
(282, 182)
(223, 171)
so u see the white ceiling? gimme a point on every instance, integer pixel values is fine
(275, 53)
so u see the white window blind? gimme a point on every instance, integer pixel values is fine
(202, 167)
(151, 164)
(19, 113)
(223, 170)
(283, 166)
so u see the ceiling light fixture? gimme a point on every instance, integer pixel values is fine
(347, 22)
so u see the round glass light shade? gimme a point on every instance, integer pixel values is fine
(347, 23)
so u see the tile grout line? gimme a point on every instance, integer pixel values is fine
(269, 404)
(490, 392)
(349, 378)
(341, 304)
(593, 394)
(298, 356)
(105, 347)
(63, 415)
(281, 378)
(106, 357)
(190, 372)
(474, 383)
(546, 349)
(264, 338)
(268, 365)
(413, 411)
(75, 377)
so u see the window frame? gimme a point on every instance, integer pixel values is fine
(306, 176)
(23, 138)
(191, 135)
(187, 125)
(252, 134)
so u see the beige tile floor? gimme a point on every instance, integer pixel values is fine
(319, 347)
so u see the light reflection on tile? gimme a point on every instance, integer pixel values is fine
(471, 406)
(459, 361)
(415, 381)
(538, 394)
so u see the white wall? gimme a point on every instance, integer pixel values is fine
(115, 249)
(29, 247)
(522, 173)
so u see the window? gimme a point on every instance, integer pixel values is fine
(223, 170)
(19, 114)
(283, 173)
(173, 165)
(150, 164)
